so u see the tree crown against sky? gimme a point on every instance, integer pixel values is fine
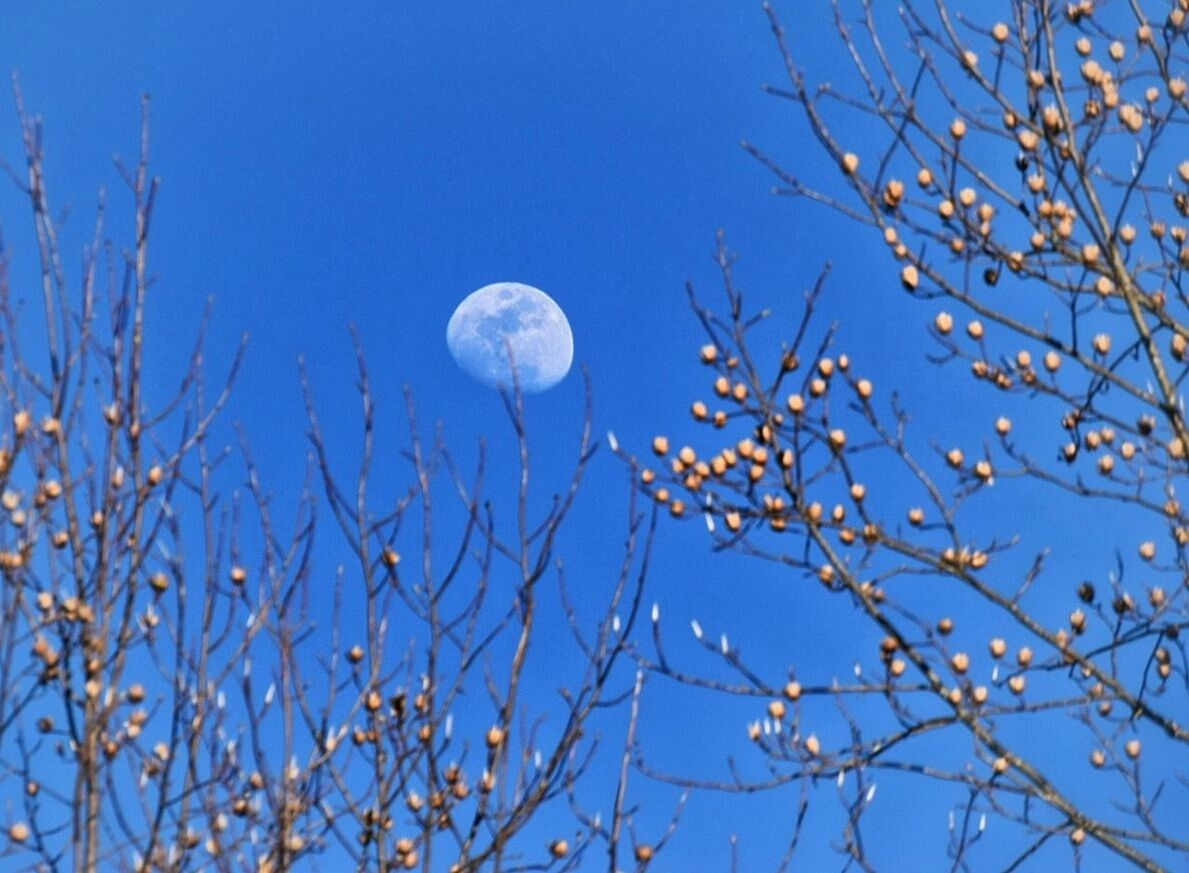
(1010, 168)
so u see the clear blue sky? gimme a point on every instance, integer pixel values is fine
(374, 162)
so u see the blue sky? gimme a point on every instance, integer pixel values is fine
(373, 163)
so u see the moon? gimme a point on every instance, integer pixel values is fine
(511, 315)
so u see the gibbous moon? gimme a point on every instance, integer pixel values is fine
(509, 314)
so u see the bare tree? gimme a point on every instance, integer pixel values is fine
(1029, 174)
(191, 680)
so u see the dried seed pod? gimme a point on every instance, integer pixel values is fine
(495, 736)
(910, 278)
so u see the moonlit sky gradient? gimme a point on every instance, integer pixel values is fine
(372, 163)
